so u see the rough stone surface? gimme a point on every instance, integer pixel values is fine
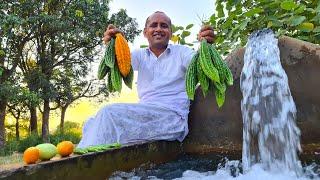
(96, 165)
(212, 128)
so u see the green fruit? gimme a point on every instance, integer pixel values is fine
(116, 78)
(129, 79)
(109, 57)
(203, 79)
(191, 77)
(206, 63)
(47, 151)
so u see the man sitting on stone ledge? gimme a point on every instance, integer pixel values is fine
(162, 112)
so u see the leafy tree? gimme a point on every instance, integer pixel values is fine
(12, 42)
(60, 34)
(125, 24)
(234, 20)
(70, 87)
(18, 106)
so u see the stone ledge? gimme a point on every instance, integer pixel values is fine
(98, 165)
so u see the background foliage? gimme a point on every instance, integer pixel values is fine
(235, 20)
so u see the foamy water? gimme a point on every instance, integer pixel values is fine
(256, 172)
(231, 170)
(270, 134)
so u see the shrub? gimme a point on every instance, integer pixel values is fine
(9, 148)
(31, 140)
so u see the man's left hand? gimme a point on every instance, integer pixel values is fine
(206, 32)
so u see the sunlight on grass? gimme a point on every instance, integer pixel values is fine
(13, 159)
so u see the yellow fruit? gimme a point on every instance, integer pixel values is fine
(306, 27)
(31, 155)
(65, 148)
(123, 55)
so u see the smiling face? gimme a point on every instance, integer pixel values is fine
(158, 30)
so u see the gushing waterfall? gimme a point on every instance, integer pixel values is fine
(270, 134)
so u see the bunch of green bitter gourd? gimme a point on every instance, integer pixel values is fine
(97, 148)
(109, 67)
(209, 70)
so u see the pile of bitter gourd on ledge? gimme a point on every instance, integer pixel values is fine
(97, 148)
(116, 64)
(209, 70)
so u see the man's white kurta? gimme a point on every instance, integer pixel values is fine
(162, 111)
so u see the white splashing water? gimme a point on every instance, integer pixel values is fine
(256, 172)
(270, 134)
(232, 171)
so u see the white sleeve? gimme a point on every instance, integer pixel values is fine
(186, 54)
(135, 59)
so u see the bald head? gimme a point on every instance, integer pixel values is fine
(158, 31)
(158, 13)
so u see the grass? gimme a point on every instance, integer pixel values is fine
(8, 162)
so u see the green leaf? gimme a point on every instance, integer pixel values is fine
(212, 20)
(182, 41)
(296, 20)
(276, 23)
(227, 24)
(220, 10)
(2, 53)
(316, 18)
(310, 10)
(244, 24)
(189, 26)
(288, 5)
(272, 18)
(185, 34)
(300, 9)
(318, 8)
(1, 71)
(284, 15)
(253, 12)
(271, 5)
(219, 40)
(317, 29)
(174, 28)
(179, 27)
(238, 9)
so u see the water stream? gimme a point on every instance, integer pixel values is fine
(270, 134)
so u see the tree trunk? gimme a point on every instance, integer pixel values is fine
(63, 114)
(3, 105)
(17, 129)
(45, 120)
(33, 120)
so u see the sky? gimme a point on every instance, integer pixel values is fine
(181, 12)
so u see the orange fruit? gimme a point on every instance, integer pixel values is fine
(65, 148)
(31, 155)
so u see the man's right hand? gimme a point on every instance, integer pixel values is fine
(110, 32)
